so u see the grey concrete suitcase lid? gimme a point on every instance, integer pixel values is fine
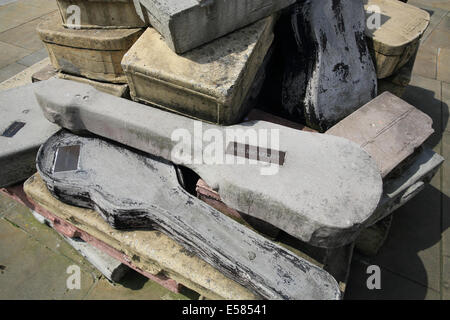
(103, 14)
(330, 72)
(388, 128)
(23, 128)
(209, 83)
(188, 24)
(131, 190)
(338, 183)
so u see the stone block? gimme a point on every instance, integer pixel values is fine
(94, 54)
(388, 128)
(188, 24)
(23, 129)
(133, 191)
(397, 39)
(295, 163)
(108, 14)
(210, 83)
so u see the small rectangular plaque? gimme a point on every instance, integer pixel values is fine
(13, 129)
(256, 153)
(67, 158)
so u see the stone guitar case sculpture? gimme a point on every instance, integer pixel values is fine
(318, 188)
(133, 190)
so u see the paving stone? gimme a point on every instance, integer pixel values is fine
(188, 24)
(249, 186)
(426, 62)
(5, 204)
(23, 77)
(10, 70)
(33, 58)
(395, 42)
(412, 249)
(93, 53)
(11, 53)
(210, 83)
(393, 286)
(134, 286)
(425, 95)
(437, 14)
(445, 106)
(24, 36)
(31, 271)
(446, 278)
(105, 14)
(23, 129)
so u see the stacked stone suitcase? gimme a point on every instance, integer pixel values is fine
(87, 40)
(201, 62)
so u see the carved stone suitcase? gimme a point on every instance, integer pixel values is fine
(23, 129)
(188, 24)
(94, 54)
(102, 13)
(396, 41)
(210, 83)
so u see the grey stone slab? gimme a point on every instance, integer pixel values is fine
(131, 190)
(211, 83)
(10, 71)
(33, 58)
(322, 84)
(23, 129)
(325, 216)
(188, 24)
(388, 128)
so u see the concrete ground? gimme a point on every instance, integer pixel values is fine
(414, 262)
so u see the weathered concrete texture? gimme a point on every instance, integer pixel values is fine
(330, 73)
(209, 83)
(103, 13)
(188, 24)
(325, 216)
(134, 191)
(388, 128)
(398, 38)
(24, 77)
(94, 54)
(116, 89)
(23, 129)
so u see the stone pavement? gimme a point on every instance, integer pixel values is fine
(414, 262)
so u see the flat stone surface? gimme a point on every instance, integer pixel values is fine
(188, 24)
(241, 254)
(445, 106)
(24, 77)
(10, 70)
(388, 128)
(324, 218)
(22, 130)
(34, 272)
(443, 67)
(393, 286)
(11, 53)
(209, 83)
(24, 36)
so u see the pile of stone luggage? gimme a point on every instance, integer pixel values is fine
(202, 60)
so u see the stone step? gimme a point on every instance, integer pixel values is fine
(23, 129)
(211, 83)
(322, 170)
(106, 14)
(134, 191)
(94, 54)
(188, 24)
(396, 40)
